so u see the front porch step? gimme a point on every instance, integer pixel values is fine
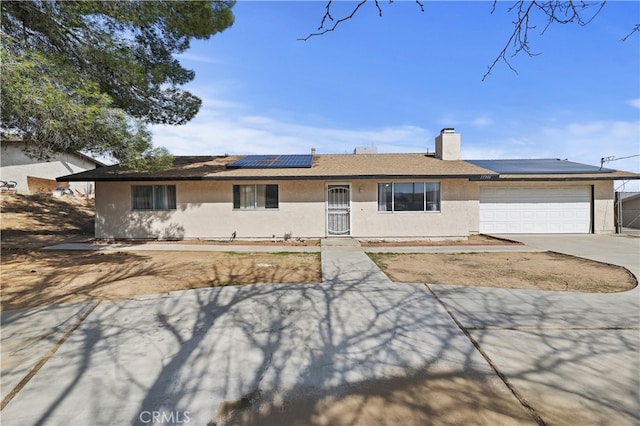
(339, 242)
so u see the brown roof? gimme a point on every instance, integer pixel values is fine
(330, 166)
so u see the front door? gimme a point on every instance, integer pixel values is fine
(338, 210)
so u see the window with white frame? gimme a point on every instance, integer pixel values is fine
(255, 196)
(153, 197)
(408, 196)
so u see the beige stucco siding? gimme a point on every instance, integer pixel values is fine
(300, 213)
(603, 210)
(205, 210)
(458, 216)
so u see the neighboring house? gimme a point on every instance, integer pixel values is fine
(366, 196)
(32, 175)
(630, 209)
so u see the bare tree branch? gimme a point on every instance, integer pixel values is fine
(322, 30)
(634, 30)
(552, 11)
(378, 6)
(328, 16)
(528, 14)
(518, 37)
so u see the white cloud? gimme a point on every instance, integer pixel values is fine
(197, 58)
(634, 103)
(231, 130)
(483, 153)
(482, 121)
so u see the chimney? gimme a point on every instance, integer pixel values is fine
(448, 145)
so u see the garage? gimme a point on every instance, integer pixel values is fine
(535, 210)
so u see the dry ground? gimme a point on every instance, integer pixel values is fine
(530, 270)
(472, 240)
(30, 222)
(31, 277)
(44, 278)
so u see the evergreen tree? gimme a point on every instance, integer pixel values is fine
(89, 75)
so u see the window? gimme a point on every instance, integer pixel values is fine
(153, 197)
(409, 197)
(255, 196)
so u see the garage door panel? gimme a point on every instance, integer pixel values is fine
(535, 210)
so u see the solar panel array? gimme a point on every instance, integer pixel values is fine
(535, 166)
(299, 161)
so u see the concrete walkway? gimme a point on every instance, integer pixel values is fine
(567, 358)
(569, 354)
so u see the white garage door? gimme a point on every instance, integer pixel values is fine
(552, 210)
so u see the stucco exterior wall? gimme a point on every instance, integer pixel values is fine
(603, 208)
(15, 165)
(457, 218)
(205, 210)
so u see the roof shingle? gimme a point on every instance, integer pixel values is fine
(348, 166)
(334, 166)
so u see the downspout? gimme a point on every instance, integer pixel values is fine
(593, 210)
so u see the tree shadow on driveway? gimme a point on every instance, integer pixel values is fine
(355, 353)
(572, 356)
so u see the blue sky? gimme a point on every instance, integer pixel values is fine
(394, 81)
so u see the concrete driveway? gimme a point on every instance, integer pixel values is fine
(175, 358)
(569, 355)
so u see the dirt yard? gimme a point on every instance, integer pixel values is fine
(31, 277)
(44, 278)
(30, 222)
(530, 270)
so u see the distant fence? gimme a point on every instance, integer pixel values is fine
(38, 185)
(627, 211)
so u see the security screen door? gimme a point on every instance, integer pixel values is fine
(338, 210)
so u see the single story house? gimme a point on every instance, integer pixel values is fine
(361, 195)
(32, 175)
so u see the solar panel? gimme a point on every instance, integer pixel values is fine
(273, 162)
(535, 166)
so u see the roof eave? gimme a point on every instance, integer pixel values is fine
(80, 178)
(567, 178)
